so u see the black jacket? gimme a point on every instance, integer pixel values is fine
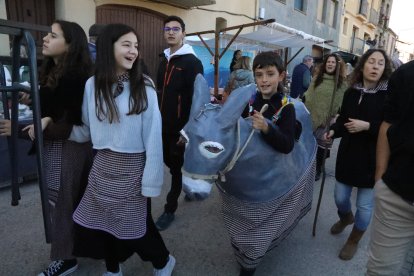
(175, 85)
(399, 112)
(355, 162)
(281, 135)
(63, 104)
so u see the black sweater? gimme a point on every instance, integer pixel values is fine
(63, 104)
(355, 162)
(399, 112)
(281, 135)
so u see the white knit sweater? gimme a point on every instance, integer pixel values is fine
(132, 134)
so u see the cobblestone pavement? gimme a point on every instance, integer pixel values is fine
(197, 239)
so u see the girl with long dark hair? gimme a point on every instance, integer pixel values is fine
(64, 71)
(236, 56)
(121, 117)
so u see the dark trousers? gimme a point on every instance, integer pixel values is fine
(174, 160)
(150, 247)
(319, 158)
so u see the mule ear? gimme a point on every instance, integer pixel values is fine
(201, 95)
(235, 104)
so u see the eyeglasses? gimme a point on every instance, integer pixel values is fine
(174, 29)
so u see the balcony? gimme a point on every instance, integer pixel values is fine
(362, 13)
(187, 4)
(373, 19)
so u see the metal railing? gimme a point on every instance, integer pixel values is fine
(20, 32)
(357, 46)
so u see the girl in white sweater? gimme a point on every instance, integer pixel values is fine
(121, 117)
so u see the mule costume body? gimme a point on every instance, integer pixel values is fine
(264, 192)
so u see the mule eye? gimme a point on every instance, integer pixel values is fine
(213, 149)
(210, 149)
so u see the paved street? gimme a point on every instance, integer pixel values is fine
(197, 239)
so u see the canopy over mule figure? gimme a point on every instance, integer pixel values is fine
(264, 192)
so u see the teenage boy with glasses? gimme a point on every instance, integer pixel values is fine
(175, 84)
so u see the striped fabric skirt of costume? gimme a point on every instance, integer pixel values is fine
(66, 166)
(113, 202)
(256, 228)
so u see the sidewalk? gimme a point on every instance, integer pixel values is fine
(197, 239)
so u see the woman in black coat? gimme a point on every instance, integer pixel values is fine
(358, 125)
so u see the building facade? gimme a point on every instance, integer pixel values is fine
(365, 25)
(321, 20)
(145, 16)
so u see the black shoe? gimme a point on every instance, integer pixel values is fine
(164, 221)
(60, 268)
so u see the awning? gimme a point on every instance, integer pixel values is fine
(272, 36)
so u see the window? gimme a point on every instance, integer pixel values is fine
(300, 5)
(321, 13)
(333, 13)
(345, 27)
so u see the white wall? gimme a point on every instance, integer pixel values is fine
(79, 11)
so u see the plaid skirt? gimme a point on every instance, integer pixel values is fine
(113, 202)
(256, 228)
(66, 166)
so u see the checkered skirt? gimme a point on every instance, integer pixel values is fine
(66, 166)
(52, 159)
(113, 201)
(256, 228)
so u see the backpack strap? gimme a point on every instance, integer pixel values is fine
(285, 101)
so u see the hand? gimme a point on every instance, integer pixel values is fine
(181, 141)
(328, 135)
(354, 125)
(259, 122)
(30, 128)
(24, 98)
(5, 127)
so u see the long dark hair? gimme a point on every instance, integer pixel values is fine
(357, 75)
(265, 59)
(75, 61)
(340, 65)
(234, 59)
(105, 75)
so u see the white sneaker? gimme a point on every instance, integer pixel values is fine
(167, 269)
(119, 273)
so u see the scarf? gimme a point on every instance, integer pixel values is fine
(382, 85)
(120, 83)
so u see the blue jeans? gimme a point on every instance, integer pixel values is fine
(364, 203)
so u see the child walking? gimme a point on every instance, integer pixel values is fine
(121, 115)
(65, 69)
(255, 228)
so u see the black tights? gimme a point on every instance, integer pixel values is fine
(150, 247)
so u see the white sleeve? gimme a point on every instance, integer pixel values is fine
(153, 175)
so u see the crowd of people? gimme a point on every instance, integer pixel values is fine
(108, 129)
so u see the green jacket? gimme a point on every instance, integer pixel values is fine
(318, 100)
